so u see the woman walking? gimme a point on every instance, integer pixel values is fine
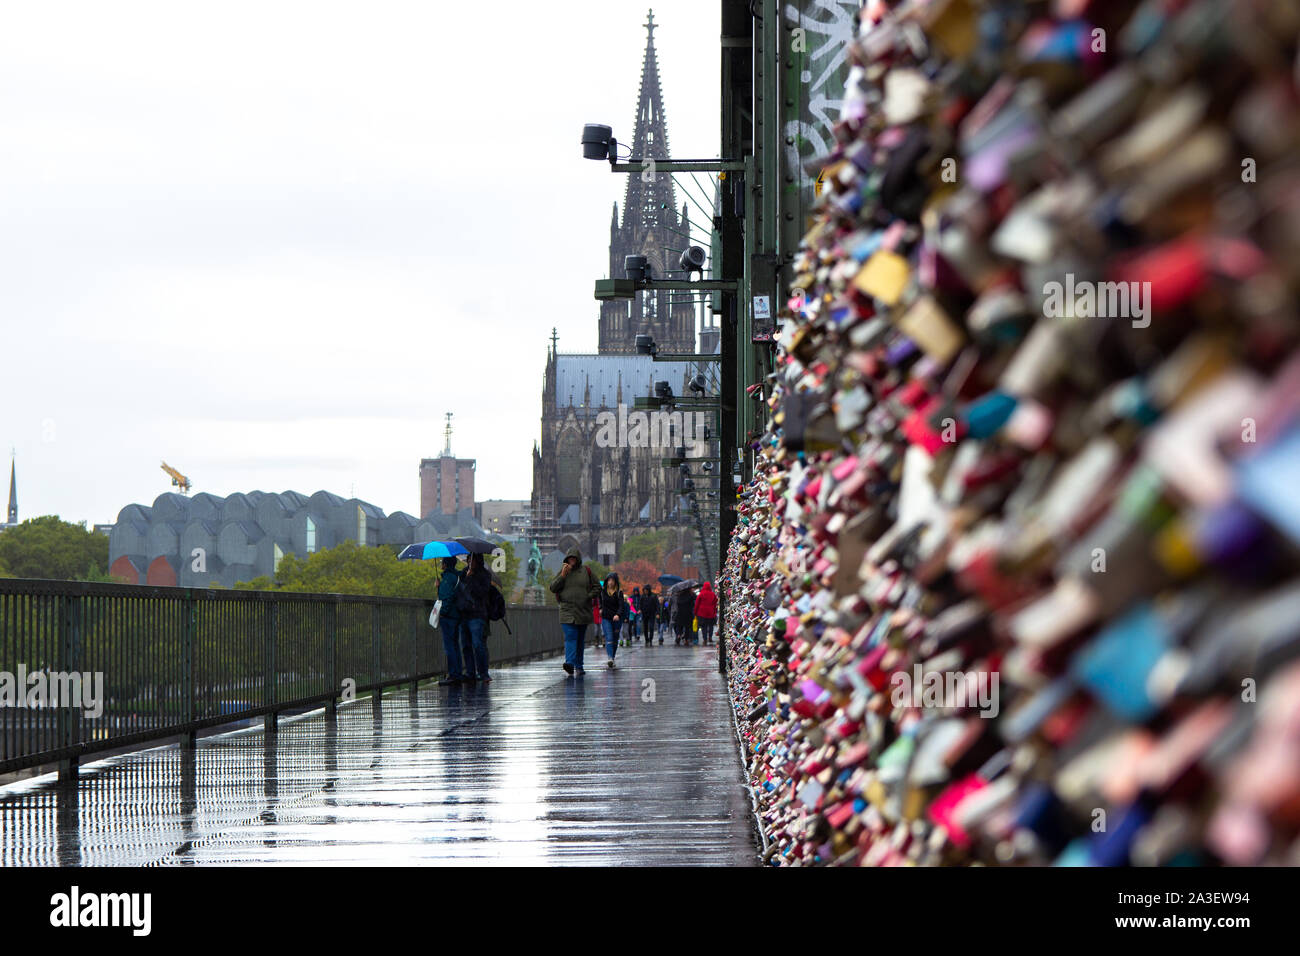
(449, 621)
(613, 613)
(575, 590)
(706, 612)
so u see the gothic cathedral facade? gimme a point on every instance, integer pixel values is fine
(587, 490)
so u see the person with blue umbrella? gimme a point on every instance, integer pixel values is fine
(449, 622)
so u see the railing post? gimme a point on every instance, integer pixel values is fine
(189, 621)
(269, 682)
(377, 674)
(69, 623)
(415, 648)
(331, 705)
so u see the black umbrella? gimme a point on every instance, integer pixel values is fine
(682, 585)
(668, 580)
(476, 545)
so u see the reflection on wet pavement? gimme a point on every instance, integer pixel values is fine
(533, 768)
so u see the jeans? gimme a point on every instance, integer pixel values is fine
(450, 628)
(611, 629)
(706, 628)
(575, 637)
(474, 644)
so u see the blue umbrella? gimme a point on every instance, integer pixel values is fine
(428, 550)
(668, 580)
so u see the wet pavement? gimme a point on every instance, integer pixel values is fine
(531, 769)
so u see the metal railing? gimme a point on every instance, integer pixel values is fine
(87, 667)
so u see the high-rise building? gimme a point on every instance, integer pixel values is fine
(446, 485)
(446, 482)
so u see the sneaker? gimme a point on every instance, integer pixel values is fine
(568, 668)
(485, 679)
(581, 673)
(610, 663)
(449, 681)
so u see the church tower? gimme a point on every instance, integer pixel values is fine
(651, 227)
(13, 492)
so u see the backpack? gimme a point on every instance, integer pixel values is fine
(496, 605)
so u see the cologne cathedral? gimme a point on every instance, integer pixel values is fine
(585, 492)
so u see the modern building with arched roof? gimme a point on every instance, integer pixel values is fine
(206, 539)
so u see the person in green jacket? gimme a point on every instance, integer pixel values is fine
(575, 587)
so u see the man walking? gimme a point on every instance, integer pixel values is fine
(472, 601)
(649, 608)
(683, 612)
(575, 588)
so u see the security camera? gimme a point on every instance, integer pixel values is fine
(645, 345)
(697, 384)
(663, 390)
(708, 466)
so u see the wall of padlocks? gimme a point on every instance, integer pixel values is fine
(1015, 581)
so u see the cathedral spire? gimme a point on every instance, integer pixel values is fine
(649, 196)
(13, 492)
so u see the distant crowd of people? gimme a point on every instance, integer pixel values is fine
(688, 611)
(465, 596)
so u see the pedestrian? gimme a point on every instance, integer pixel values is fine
(665, 619)
(472, 602)
(633, 630)
(449, 620)
(613, 615)
(683, 612)
(575, 589)
(650, 614)
(706, 611)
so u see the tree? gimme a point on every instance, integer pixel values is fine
(509, 577)
(351, 568)
(47, 547)
(636, 574)
(648, 546)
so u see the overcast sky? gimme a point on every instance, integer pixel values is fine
(273, 242)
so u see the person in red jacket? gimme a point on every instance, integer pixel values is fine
(706, 611)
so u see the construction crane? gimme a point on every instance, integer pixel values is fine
(179, 480)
